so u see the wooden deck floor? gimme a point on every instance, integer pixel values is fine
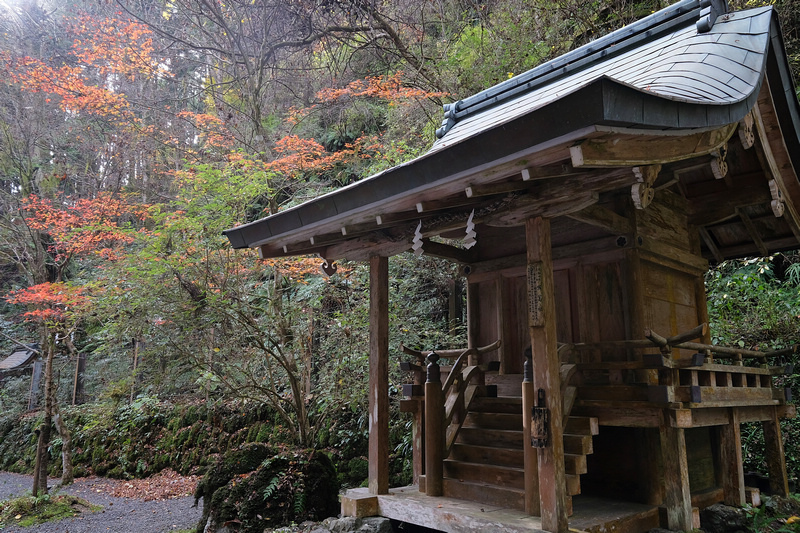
(594, 515)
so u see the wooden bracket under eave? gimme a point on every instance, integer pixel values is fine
(642, 148)
(642, 192)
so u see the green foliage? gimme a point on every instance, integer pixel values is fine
(755, 304)
(776, 515)
(27, 511)
(289, 487)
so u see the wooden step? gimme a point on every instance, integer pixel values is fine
(488, 455)
(575, 464)
(503, 476)
(497, 438)
(497, 405)
(512, 421)
(582, 425)
(573, 485)
(578, 444)
(486, 494)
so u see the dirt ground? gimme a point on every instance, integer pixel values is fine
(156, 505)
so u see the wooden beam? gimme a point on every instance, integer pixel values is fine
(776, 459)
(604, 218)
(710, 244)
(379, 375)
(730, 456)
(445, 251)
(529, 177)
(751, 229)
(546, 372)
(618, 150)
(677, 495)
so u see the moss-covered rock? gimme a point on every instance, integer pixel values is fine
(288, 487)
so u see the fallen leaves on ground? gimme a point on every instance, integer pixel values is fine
(165, 485)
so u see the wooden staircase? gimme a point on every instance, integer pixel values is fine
(486, 460)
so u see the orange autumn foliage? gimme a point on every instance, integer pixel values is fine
(50, 302)
(115, 46)
(83, 225)
(212, 129)
(68, 84)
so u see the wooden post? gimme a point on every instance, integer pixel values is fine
(77, 384)
(530, 459)
(677, 496)
(418, 447)
(776, 460)
(434, 429)
(379, 375)
(730, 454)
(546, 372)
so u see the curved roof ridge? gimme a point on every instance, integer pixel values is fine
(608, 46)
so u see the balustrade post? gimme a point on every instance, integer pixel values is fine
(530, 459)
(434, 429)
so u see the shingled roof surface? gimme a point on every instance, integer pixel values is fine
(679, 68)
(719, 67)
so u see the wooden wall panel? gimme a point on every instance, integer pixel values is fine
(564, 307)
(487, 316)
(672, 304)
(517, 334)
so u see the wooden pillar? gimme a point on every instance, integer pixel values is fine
(677, 495)
(434, 429)
(379, 375)
(77, 383)
(730, 454)
(546, 373)
(776, 460)
(530, 459)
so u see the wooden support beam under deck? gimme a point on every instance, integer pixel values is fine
(776, 459)
(677, 495)
(546, 372)
(730, 454)
(379, 375)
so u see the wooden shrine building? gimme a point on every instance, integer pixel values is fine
(595, 188)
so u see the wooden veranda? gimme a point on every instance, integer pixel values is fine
(584, 200)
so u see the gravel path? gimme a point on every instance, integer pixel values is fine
(119, 515)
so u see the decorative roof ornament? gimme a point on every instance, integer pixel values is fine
(449, 119)
(712, 9)
(470, 239)
(328, 268)
(416, 245)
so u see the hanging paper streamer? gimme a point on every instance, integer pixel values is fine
(417, 242)
(470, 239)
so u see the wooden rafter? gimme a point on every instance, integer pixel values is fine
(712, 246)
(751, 229)
(604, 218)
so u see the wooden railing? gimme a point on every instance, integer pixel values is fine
(446, 405)
(697, 380)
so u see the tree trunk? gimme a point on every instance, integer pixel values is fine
(67, 476)
(40, 467)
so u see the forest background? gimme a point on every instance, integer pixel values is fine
(133, 132)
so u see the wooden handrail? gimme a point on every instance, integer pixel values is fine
(420, 355)
(681, 341)
(460, 399)
(455, 370)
